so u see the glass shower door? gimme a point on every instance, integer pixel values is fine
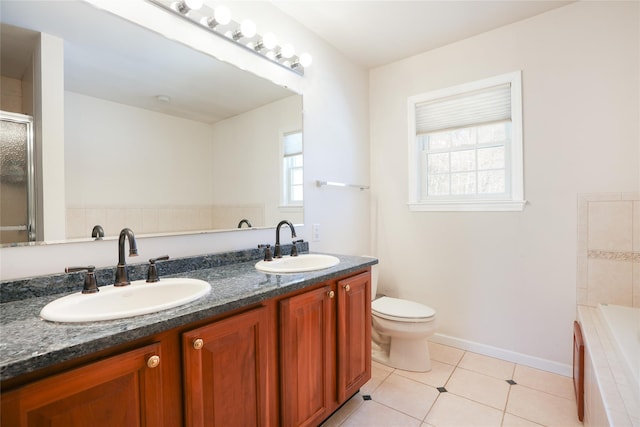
(17, 192)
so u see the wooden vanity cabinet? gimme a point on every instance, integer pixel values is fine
(225, 371)
(290, 361)
(123, 390)
(325, 349)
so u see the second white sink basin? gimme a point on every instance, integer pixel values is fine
(127, 301)
(298, 264)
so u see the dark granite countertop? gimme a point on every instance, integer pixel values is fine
(29, 343)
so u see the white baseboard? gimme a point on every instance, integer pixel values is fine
(508, 355)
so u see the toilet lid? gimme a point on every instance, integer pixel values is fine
(401, 309)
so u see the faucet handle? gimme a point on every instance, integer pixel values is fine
(90, 283)
(294, 247)
(268, 256)
(152, 272)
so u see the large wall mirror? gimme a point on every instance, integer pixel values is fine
(156, 136)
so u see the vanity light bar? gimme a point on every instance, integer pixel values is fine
(244, 34)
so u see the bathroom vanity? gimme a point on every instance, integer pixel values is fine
(259, 349)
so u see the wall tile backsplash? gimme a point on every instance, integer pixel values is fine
(608, 249)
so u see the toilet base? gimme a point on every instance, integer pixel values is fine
(406, 354)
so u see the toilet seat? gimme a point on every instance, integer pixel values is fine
(401, 310)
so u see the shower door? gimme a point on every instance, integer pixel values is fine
(17, 192)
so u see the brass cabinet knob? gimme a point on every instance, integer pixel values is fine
(153, 361)
(198, 343)
(347, 288)
(331, 294)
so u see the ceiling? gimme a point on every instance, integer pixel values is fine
(101, 50)
(110, 58)
(377, 32)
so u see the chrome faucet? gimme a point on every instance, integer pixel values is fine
(97, 232)
(122, 277)
(244, 221)
(277, 252)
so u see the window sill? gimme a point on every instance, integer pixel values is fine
(469, 206)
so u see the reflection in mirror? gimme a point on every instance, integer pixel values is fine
(156, 136)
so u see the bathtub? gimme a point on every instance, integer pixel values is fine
(623, 325)
(612, 365)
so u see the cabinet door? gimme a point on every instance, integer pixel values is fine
(307, 357)
(225, 371)
(123, 390)
(354, 334)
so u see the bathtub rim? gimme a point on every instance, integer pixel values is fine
(618, 400)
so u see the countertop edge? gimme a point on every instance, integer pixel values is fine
(147, 325)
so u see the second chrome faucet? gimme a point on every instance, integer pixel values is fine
(122, 277)
(277, 252)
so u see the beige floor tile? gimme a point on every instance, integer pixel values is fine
(405, 395)
(379, 373)
(542, 408)
(487, 365)
(344, 412)
(479, 387)
(548, 382)
(510, 420)
(456, 411)
(436, 377)
(373, 414)
(444, 353)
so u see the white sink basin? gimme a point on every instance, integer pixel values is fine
(127, 301)
(298, 264)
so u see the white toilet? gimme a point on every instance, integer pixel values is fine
(400, 330)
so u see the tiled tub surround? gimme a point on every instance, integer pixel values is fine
(30, 343)
(608, 249)
(608, 272)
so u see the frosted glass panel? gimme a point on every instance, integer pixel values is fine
(15, 180)
(13, 155)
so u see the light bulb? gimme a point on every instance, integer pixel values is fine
(193, 4)
(269, 41)
(248, 28)
(185, 6)
(222, 15)
(305, 59)
(287, 51)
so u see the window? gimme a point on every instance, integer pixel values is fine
(292, 183)
(465, 147)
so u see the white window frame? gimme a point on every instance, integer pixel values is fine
(515, 200)
(285, 202)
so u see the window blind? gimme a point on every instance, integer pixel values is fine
(471, 108)
(292, 144)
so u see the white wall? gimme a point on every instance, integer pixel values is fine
(504, 283)
(336, 148)
(49, 132)
(118, 155)
(255, 140)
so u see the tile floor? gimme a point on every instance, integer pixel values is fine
(477, 394)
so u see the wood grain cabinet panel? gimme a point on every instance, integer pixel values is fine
(307, 336)
(123, 390)
(325, 349)
(225, 371)
(354, 334)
